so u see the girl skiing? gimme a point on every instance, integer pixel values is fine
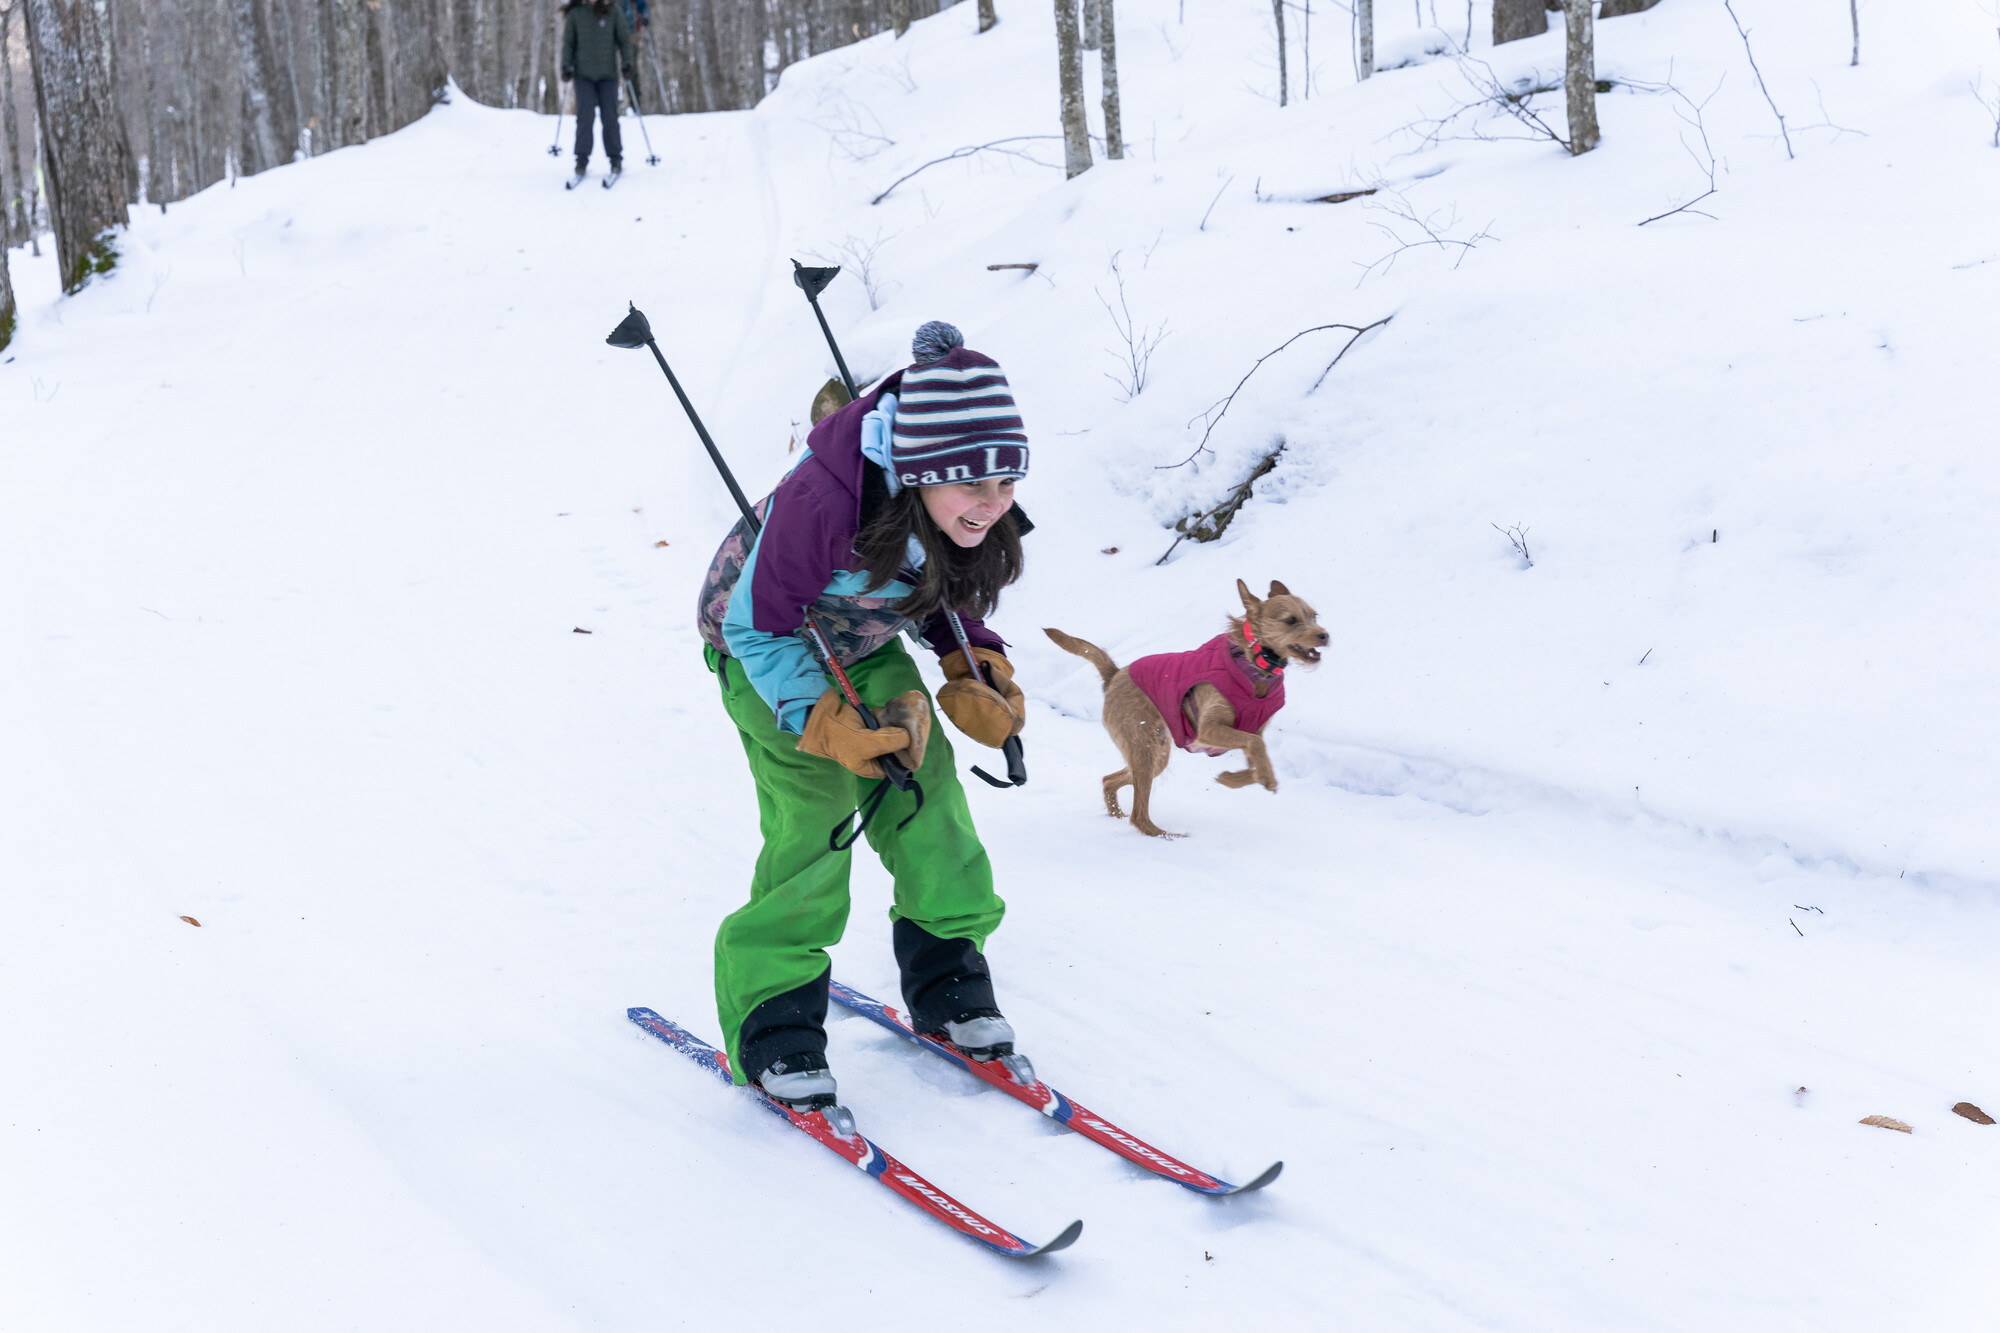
(900, 515)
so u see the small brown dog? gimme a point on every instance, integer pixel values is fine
(1215, 699)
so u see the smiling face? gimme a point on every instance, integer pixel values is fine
(966, 511)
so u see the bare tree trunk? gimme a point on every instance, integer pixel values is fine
(899, 16)
(1107, 64)
(86, 161)
(8, 315)
(1284, 82)
(1854, 17)
(987, 18)
(1091, 24)
(1515, 19)
(1364, 38)
(19, 223)
(1580, 76)
(1612, 9)
(1069, 62)
(260, 139)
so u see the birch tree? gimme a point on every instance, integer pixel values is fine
(1107, 61)
(1364, 38)
(1069, 59)
(1580, 76)
(85, 159)
(1284, 83)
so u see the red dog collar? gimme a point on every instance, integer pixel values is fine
(1260, 656)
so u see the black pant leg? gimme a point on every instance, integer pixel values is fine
(607, 100)
(941, 978)
(586, 115)
(787, 1025)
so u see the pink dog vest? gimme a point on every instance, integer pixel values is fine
(1166, 678)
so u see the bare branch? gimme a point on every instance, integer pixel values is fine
(1517, 536)
(1213, 202)
(1139, 342)
(1490, 94)
(957, 153)
(858, 256)
(1690, 112)
(1993, 109)
(1212, 416)
(1434, 233)
(1760, 77)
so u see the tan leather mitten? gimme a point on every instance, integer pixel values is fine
(912, 712)
(835, 731)
(988, 714)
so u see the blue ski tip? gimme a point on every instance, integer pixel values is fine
(1062, 1242)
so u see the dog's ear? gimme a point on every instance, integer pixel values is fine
(1250, 602)
(1278, 590)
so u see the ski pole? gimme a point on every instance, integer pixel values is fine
(652, 158)
(634, 331)
(813, 281)
(555, 149)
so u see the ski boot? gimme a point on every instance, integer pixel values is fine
(803, 1083)
(617, 170)
(575, 180)
(982, 1036)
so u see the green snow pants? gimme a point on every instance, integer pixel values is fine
(798, 904)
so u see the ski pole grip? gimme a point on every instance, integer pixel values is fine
(1017, 761)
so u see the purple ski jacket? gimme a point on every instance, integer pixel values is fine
(1166, 678)
(755, 597)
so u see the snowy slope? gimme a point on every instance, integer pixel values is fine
(1559, 980)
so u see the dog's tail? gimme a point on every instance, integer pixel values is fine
(1090, 652)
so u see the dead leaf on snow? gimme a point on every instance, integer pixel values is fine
(1972, 1113)
(1887, 1122)
(192, 922)
(658, 545)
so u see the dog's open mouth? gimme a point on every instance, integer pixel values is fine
(1306, 654)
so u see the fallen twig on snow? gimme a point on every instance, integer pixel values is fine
(1211, 524)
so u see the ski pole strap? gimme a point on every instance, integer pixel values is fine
(864, 814)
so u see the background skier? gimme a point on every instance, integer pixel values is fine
(902, 509)
(597, 49)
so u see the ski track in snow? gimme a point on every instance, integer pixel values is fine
(302, 509)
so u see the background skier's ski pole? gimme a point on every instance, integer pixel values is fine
(555, 148)
(652, 158)
(634, 331)
(813, 281)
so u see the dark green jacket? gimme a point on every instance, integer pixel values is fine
(596, 45)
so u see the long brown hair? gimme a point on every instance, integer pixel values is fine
(966, 579)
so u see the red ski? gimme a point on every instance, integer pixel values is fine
(858, 1151)
(1053, 1104)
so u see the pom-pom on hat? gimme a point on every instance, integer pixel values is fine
(955, 416)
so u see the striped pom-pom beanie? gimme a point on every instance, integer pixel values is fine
(955, 417)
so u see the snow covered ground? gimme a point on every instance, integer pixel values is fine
(1600, 899)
